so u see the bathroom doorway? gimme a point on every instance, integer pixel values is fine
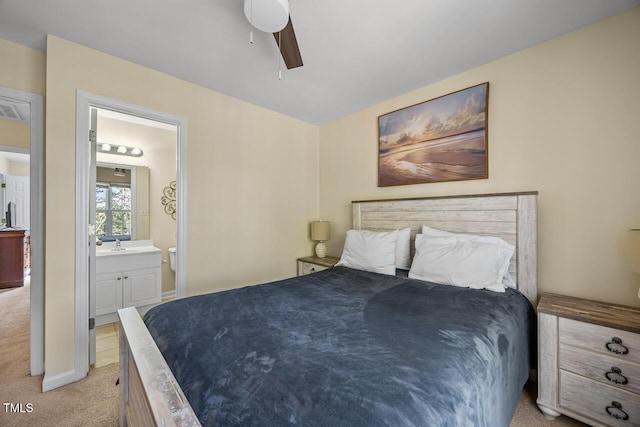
(135, 161)
(124, 146)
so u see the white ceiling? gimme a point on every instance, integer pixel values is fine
(356, 53)
(135, 119)
(15, 157)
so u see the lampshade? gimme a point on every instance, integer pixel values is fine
(633, 250)
(269, 16)
(320, 231)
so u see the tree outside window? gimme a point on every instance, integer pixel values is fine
(113, 211)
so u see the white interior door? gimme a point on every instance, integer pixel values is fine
(2, 203)
(93, 132)
(17, 191)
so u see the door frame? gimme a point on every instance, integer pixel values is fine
(85, 101)
(36, 184)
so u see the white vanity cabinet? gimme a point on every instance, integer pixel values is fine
(108, 293)
(129, 278)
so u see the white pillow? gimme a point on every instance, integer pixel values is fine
(507, 280)
(403, 249)
(460, 262)
(370, 251)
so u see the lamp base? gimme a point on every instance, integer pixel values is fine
(321, 250)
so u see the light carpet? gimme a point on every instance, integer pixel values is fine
(93, 401)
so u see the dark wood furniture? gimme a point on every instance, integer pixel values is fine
(11, 258)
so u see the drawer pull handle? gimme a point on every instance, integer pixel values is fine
(615, 376)
(615, 410)
(615, 346)
(313, 269)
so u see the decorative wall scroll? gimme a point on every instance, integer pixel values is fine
(169, 199)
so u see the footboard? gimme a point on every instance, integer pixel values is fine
(149, 393)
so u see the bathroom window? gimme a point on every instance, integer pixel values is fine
(113, 211)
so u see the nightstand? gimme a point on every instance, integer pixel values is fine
(589, 361)
(313, 264)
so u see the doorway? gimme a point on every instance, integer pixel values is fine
(135, 162)
(85, 167)
(15, 204)
(34, 108)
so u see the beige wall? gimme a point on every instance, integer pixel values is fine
(10, 167)
(159, 147)
(252, 179)
(22, 68)
(4, 170)
(14, 134)
(18, 168)
(563, 120)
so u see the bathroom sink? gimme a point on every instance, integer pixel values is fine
(124, 251)
(136, 247)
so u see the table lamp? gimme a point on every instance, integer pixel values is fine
(320, 232)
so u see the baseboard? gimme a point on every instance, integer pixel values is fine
(104, 319)
(169, 294)
(50, 382)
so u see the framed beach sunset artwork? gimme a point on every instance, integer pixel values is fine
(443, 139)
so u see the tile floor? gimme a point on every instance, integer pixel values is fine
(107, 344)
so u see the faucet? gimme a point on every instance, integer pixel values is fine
(118, 245)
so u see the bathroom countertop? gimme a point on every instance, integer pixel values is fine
(127, 247)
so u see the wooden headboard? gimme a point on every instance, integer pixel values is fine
(510, 216)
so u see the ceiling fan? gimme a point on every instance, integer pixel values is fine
(272, 16)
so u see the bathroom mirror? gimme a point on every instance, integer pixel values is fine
(122, 202)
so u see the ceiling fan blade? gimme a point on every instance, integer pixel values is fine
(289, 49)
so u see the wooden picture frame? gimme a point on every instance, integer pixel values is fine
(439, 140)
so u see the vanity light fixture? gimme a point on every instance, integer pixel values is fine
(123, 150)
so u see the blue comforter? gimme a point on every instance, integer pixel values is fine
(349, 348)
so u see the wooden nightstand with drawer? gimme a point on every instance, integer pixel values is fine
(589, 361)
(313, 264)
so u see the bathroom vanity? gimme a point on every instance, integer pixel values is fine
(129, 276)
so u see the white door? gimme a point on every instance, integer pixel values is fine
(18, 192)
(2, 204)
(93, 132)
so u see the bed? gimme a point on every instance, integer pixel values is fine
(343, 346)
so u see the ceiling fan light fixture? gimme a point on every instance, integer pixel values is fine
(269, 16)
